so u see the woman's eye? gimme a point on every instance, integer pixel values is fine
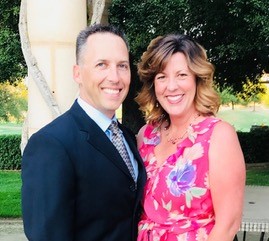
(159, 77)
(182, 75)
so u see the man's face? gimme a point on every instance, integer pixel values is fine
(103, 73)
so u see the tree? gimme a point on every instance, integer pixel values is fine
(12, 63)
(227, 95)
(236, 36)
(252, 92)
(144, 20)
(235, 33)
(13, 99)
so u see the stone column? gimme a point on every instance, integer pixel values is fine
(52, 28)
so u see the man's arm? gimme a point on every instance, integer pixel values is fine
(47, 190)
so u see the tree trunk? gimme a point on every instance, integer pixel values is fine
(34, 71)
(98, 9)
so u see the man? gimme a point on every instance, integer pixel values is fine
(76, 185)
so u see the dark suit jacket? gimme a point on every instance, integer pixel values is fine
(76, 185)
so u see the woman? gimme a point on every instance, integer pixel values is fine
(194, 162)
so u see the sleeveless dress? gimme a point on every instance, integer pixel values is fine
(177, 201)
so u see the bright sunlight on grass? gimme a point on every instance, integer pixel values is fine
(10, 128)
(10, 194)
(243, 118)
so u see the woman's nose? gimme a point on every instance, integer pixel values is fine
(172, 84)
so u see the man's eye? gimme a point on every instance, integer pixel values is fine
(100, 64)
(124, 66)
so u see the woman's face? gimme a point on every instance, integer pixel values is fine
(175, 86)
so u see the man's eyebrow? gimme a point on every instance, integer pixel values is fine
(124, 61)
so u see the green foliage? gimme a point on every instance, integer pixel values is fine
(235, 33)
(265, 84)
(10, 154)
(255, 144)
(10, 194)
(144, 20)
(12, 62)
(265, 98)
(252, 92)
(227, 95)
(13, 101)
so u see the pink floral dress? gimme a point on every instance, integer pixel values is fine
(177, 201)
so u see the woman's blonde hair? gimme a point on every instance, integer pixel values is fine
(154, 60)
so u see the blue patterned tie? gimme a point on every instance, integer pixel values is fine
(117, 141)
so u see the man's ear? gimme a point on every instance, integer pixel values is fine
(76, 73)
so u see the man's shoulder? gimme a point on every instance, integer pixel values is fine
(62, 123)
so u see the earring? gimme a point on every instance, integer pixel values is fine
(157, 104)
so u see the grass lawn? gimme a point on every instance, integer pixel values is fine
(10, 189)
(242, 118)
(258, 177)
(10, 194)
(10, 128)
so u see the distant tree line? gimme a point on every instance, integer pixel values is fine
(12, 64)
(234, 33)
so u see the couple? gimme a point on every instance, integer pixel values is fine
(83, 178)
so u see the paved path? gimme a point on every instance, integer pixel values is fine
(254, 207)
(11, 230)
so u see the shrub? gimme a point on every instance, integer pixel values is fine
(10, 154)
(255, 144)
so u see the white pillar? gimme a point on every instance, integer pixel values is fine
(53, 27)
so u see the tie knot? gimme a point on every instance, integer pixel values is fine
(114, 127)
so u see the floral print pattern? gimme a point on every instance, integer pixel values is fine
(177, 201)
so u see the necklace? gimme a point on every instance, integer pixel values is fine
(174, 140)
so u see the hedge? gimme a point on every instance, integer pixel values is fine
(10, 154)
(255, 146)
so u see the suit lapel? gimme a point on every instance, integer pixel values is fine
(97, 138)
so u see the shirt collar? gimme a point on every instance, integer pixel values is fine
(98, 117)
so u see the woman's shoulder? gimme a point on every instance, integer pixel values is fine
(224, 129)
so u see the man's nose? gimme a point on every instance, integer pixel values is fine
(113, 75)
